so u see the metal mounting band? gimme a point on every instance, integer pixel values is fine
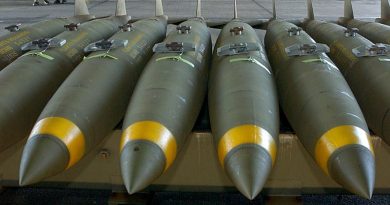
(176, 58)
(324, 61)
(251, 60)
(102, 55)
(40, 54)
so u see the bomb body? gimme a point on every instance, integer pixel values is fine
(321, 107)
(374, 31)
(365, 68)
(29, 82)
(165, 104)
(11, 43)
(98, 90)
(243, 107)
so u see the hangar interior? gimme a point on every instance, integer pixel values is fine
(196, 175)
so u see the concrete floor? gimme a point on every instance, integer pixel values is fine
(21, 11)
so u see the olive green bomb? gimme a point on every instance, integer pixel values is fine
(243, 105)
(320, 107)
(98, 90)
(165, 103)
(11, 43)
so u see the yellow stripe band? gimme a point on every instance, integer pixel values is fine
(246, 134)
(154, 132)
(67, 132)
(339, 137)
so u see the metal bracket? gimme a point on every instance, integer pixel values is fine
(379, 49)
(351, 32)
(236, 31)
(294, 31)
(13, 28)
(43, 44)
(251, 60)
(126, 27)
(183, 29)
(72, 26)
(306, 49)
(105, 45)
(237, 48)
(173, 47)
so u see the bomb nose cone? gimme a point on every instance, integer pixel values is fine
(141, 163)
(354, 168)
(43, 156)
(248, 167)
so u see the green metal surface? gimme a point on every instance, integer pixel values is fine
(45, 157)
(142, 167)
(99, 89)
(352, 166)
(242, 92)
(375, 32)
(316, 98)
(170, 92)
(10, 44)
(367, 76)
(28, 83)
